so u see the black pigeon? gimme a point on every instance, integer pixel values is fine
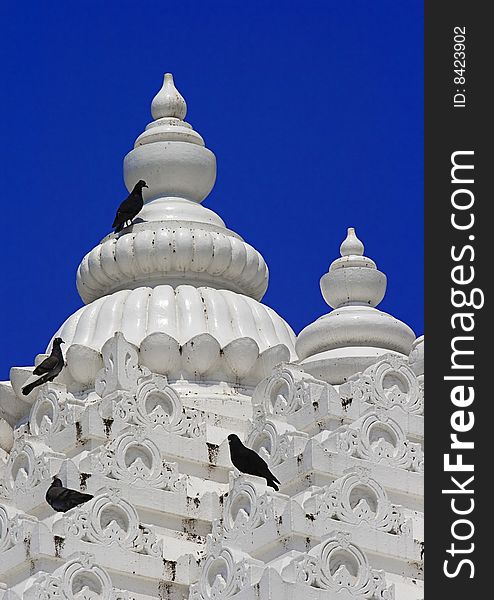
(248, 461)
(63, 499)
(130, 207)
(49, 368)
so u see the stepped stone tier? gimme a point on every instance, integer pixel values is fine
(171, 353)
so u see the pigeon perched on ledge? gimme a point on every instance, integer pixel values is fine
(130, 207)
(63, 499)
(49, 368)
(248, 461)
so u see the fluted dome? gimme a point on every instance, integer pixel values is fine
(174, 240)
(175, 254)
(351, 337)
(182, 332)
(175, 283)
(182, 313)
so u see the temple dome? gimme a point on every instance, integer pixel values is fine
(181, 332)
(176, 283)
(352, 336)
(174, 240)
(181, 312)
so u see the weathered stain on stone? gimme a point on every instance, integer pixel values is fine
(164, 590)
(83, 477)
(188, 525)
(59, 543)
(27, 545)
(170, 569)
(107, 424)
(310, 516)
(213, 450)
(346, 402)
(80, 441)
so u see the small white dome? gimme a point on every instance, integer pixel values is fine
(352, 336)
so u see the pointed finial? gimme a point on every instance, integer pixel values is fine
(351, 246)
(168, 102)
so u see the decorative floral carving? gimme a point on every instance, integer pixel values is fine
(136, 460)
(53, 410)
(121, 370)
(110, 519)
(244, 509)
(357, 498)
(26, 467)
(14, 529)
(265, 440)
(387, 383)
(286, 390)
(78, 579)
(380, 439)
(157, 403)
(222, 576)
(336, 564)
(6, 540)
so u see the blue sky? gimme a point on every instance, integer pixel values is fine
(314, 111)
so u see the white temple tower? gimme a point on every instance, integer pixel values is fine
(172, 352)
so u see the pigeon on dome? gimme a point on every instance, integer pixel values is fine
(49, 368)
(130, 207)
(248, 461)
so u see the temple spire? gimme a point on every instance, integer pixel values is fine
(352, 336)
(168, 102)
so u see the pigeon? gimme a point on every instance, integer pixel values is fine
(248, 461)
(130, 207)
(49, 368)
(63, 499)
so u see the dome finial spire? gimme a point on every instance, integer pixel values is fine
(168, 102)
(351, 245)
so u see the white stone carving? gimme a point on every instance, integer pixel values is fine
(286, 390)
(6, 436)
(14, 527)
(264, 438)
(155, 403)
(225, 572)
(378, 438)
(78, 579)
(387, 383)
(337, 565)
(244, 509)
(6, 594)
(121, 370)
(109, 519)
(53, 410)
(136, 460)
(26, 467)
(357, 499)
